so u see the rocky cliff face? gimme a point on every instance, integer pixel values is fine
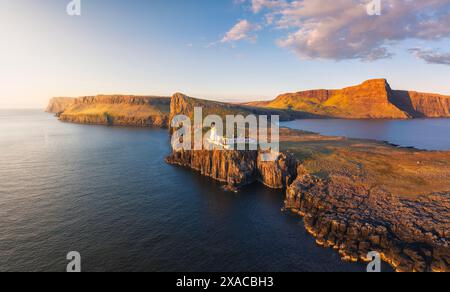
(59, 104)
(157, 121)
(118, 110)
(235, 168)
(373, 99)
(410, 234)
(277, 174)
(238, 168)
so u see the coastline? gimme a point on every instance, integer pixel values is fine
(337, 185)
(341, 212)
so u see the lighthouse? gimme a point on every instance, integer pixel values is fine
(213, 137)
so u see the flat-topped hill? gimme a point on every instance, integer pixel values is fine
(120, 110)
(373, 99)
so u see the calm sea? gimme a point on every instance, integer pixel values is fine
(107, 193)
(426, 134)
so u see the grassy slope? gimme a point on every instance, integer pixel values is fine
(400, 171)
(150, 106)
(185, 105)
(129, 110)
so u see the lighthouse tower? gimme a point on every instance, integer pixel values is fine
(213, 137)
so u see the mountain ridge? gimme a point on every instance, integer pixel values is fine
(372, 99)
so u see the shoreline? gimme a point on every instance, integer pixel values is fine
(329, 224)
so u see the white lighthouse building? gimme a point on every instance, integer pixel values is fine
(218, 141)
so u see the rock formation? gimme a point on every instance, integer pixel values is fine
(57, 105)
(421, 105)
(373, 99)
(237, 168)
(410, 233)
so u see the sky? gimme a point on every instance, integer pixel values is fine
(222, 49)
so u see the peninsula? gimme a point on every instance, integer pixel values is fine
(355, 195)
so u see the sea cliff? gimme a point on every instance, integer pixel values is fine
(238, 168)
(119, 110)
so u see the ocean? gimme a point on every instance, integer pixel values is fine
(107, 193)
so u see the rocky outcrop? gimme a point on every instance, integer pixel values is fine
(410, 234)
(422, 105)
(279, 173)
(373, 99)
(57, 105)
(237, 168)
(119, 110)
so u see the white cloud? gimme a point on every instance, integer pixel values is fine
(342, 29)
(243, 30)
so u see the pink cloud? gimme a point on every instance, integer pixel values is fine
(342, 29)
(243, 30)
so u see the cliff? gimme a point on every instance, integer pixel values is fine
(373, 99)
(119, 110)
(422, 105)
(237, 168)
(57, 105)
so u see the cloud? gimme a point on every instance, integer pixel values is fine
(431, 57)
(259, 5)
(343, 29)
(243, 30)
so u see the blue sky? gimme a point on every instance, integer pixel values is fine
(197, 47)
